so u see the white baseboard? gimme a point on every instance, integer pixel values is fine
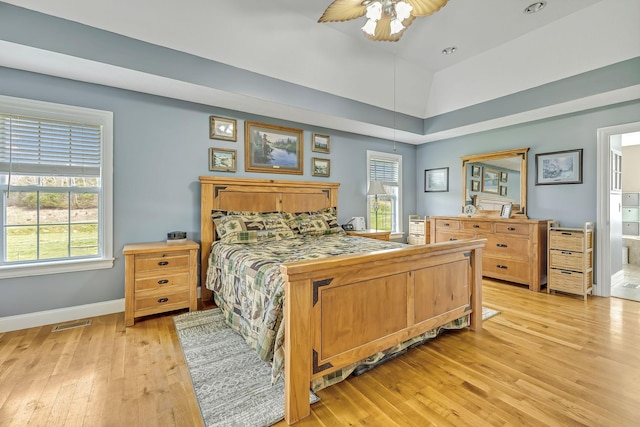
(49, 317)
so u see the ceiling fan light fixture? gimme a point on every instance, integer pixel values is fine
(370, 27)
(535, 7)
(396, 26)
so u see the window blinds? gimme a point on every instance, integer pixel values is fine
(384, 170)
(35, 146)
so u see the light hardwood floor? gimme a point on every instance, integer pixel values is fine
(546, 360)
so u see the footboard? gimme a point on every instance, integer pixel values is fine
(341, 310)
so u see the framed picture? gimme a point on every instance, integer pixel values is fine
(503, 191)
(274, 149)
(320, 167)
(221, 128)
(475, 185)
(321, 143)
(490, 179)
(222, 160)
(436, 180)
(505, 212)
(476, 171)
(504, 176)
(559, 167)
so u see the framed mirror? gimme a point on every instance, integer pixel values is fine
(492, 180)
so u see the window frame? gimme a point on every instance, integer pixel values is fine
(69, 113)
(379, 155)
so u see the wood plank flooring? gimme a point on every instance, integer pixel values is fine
(551, 360)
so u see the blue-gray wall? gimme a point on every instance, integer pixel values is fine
(160, 148)
(572, 204)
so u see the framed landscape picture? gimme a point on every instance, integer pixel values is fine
(275, 149)
(222, 160)
(320, 167)
(490, 178)
(221, 128)
(321, 143)
(559, 167)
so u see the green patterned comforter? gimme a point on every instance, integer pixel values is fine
(249, 289)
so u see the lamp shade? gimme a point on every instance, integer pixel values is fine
(375, 188)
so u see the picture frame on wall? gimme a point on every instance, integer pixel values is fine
(490, 179)
(320, 167)
(321, 143)
(475, 185)
(222, 160)
(436, 180)
(559, 167)
(504, 176)
(274, 149)
(476, 171)
(503, 191)
(223, 128)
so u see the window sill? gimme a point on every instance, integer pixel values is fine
(54, 267)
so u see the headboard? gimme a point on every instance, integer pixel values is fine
(256, 195)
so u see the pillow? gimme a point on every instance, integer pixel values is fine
(251, 227)
(316, 223)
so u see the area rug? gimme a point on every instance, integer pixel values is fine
(232, 385)
(488, 313)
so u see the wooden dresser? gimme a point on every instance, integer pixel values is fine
(516, 249)
(159, 278)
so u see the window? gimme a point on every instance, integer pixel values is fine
(387, 168)
(55, 188)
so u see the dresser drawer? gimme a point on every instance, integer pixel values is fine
(447, 236)
(448, 224)
(567, 240)
(162, 261)
(506, 269)
(512, 228)
(507, 245)
(477, 226)
(175, 280)
(567, 281)
(568, 260)
(161, 302)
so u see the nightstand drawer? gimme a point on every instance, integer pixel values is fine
(163, 261)
(163, 302)
(162, 282)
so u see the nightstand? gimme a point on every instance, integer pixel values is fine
(371, 234)
(159, 277)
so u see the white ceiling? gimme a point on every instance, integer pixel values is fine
(500, 50)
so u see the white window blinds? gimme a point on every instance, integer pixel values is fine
(35, 146)
(383, 170)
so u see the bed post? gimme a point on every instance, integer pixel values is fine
(476, 292)
(297, 362)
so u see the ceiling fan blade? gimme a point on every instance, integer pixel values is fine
(343, 10)
(425, 7)
(383, 29)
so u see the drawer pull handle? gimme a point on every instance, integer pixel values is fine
(163, 282)
(163, 263)
(446, 224)
(502, 266)
(501, 245)
(565, 272)
(476, 226)
(564, 233)
(161, 300)
(511, 228)
(452, 239)
(566, 253)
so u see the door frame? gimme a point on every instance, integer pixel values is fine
(603, 230)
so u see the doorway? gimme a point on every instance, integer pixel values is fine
(616, 275)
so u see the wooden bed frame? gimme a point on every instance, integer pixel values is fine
(343, 309)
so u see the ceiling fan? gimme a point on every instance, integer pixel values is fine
(386, 19)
